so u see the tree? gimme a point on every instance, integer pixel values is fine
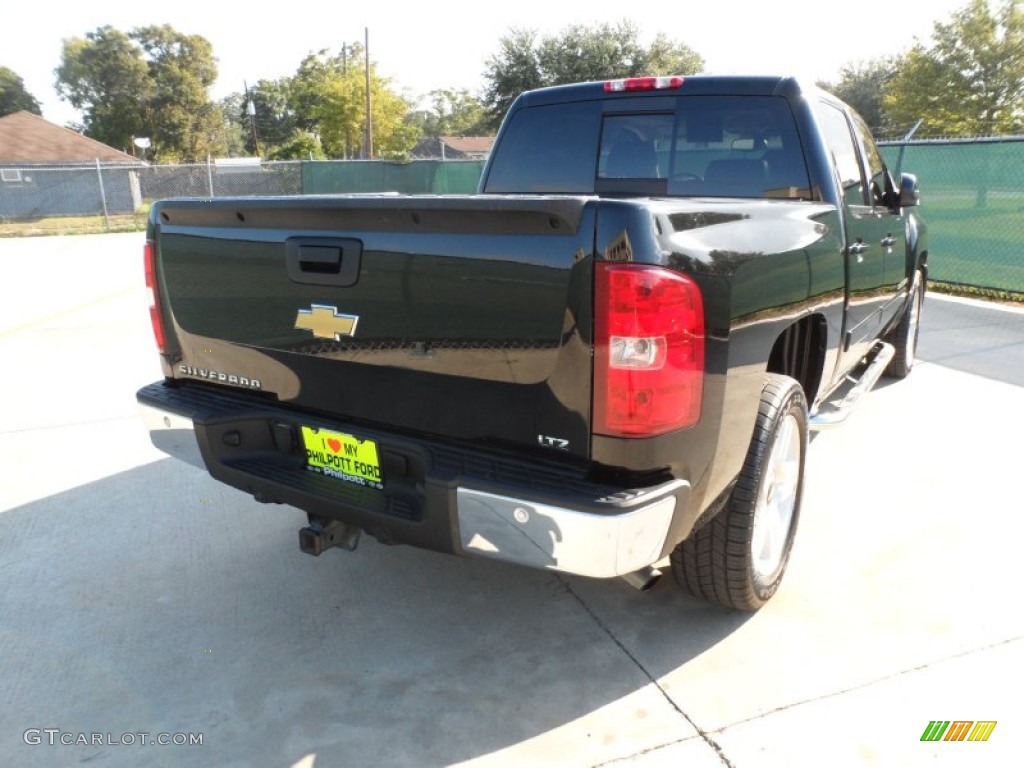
(13, 96)
(184, 124)
(235, 132)
(320, 111)
(861, 85)
(341, 116)
(514, 69)
(328, 98)
(151, 82)
(452, 113)
(969, 80)
(577, 54)
(284, 123)
(306, 85)
(105, 77)
(300, 145)
(274, 125)
(275, 119)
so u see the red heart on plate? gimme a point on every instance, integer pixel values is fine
(335, 444)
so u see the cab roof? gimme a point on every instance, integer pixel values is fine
(688, 85)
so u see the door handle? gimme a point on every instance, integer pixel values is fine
(858, 249)
(324, 260)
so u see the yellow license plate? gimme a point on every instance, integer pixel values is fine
(345, 457)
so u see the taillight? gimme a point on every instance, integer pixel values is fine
(643, 84)
(648, 350)
(155, 318)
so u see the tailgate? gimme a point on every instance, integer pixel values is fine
(462, 317)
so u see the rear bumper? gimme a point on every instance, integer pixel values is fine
(436, 496)
(173, 433)
(539, 535)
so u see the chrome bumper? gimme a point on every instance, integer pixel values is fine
(563, 539)
(597, 537)
(173, 434)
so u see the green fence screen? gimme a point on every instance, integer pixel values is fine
(972, 198)
(424, 177)
(972, 194)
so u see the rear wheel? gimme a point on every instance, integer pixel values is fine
(904, 336)
(738, 558)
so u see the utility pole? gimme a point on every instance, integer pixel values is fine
(368, 144)
(344, 73)
(250, 108)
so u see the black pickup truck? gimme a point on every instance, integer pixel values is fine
(608, 357)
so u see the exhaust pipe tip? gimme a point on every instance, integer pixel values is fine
(643, 579)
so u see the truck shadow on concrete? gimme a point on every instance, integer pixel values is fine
(974, 338)
(157, 600)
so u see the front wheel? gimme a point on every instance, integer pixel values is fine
(738, 558)
(904, 336)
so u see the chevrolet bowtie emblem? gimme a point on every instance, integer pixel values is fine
(325, 322)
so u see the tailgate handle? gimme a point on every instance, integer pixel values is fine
(324, 260)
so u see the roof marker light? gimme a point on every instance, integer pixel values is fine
(643, 84)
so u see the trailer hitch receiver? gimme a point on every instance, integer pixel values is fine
(321, 535)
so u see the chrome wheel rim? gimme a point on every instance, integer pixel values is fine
(776, 501)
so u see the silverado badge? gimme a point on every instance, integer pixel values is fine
(325, 322)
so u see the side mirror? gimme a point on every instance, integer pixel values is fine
(910, 195)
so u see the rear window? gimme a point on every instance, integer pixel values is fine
(548, 150)
(710, 146)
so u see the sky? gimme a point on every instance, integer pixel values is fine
(424, 46)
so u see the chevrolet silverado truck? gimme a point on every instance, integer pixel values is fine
(605, 362)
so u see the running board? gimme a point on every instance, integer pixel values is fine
(837, 409)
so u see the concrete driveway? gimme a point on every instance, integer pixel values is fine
(142, 602)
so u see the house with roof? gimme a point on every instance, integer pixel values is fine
(47, 170)
(454, 148)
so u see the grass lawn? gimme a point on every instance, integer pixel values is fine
(74, 225)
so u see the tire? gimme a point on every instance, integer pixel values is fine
(904, 336)
(738, 558)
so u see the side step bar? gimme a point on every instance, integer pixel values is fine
(836, 410)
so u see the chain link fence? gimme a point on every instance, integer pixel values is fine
(972, 198)
(38, 191)
(972, 194)
(33, 192)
